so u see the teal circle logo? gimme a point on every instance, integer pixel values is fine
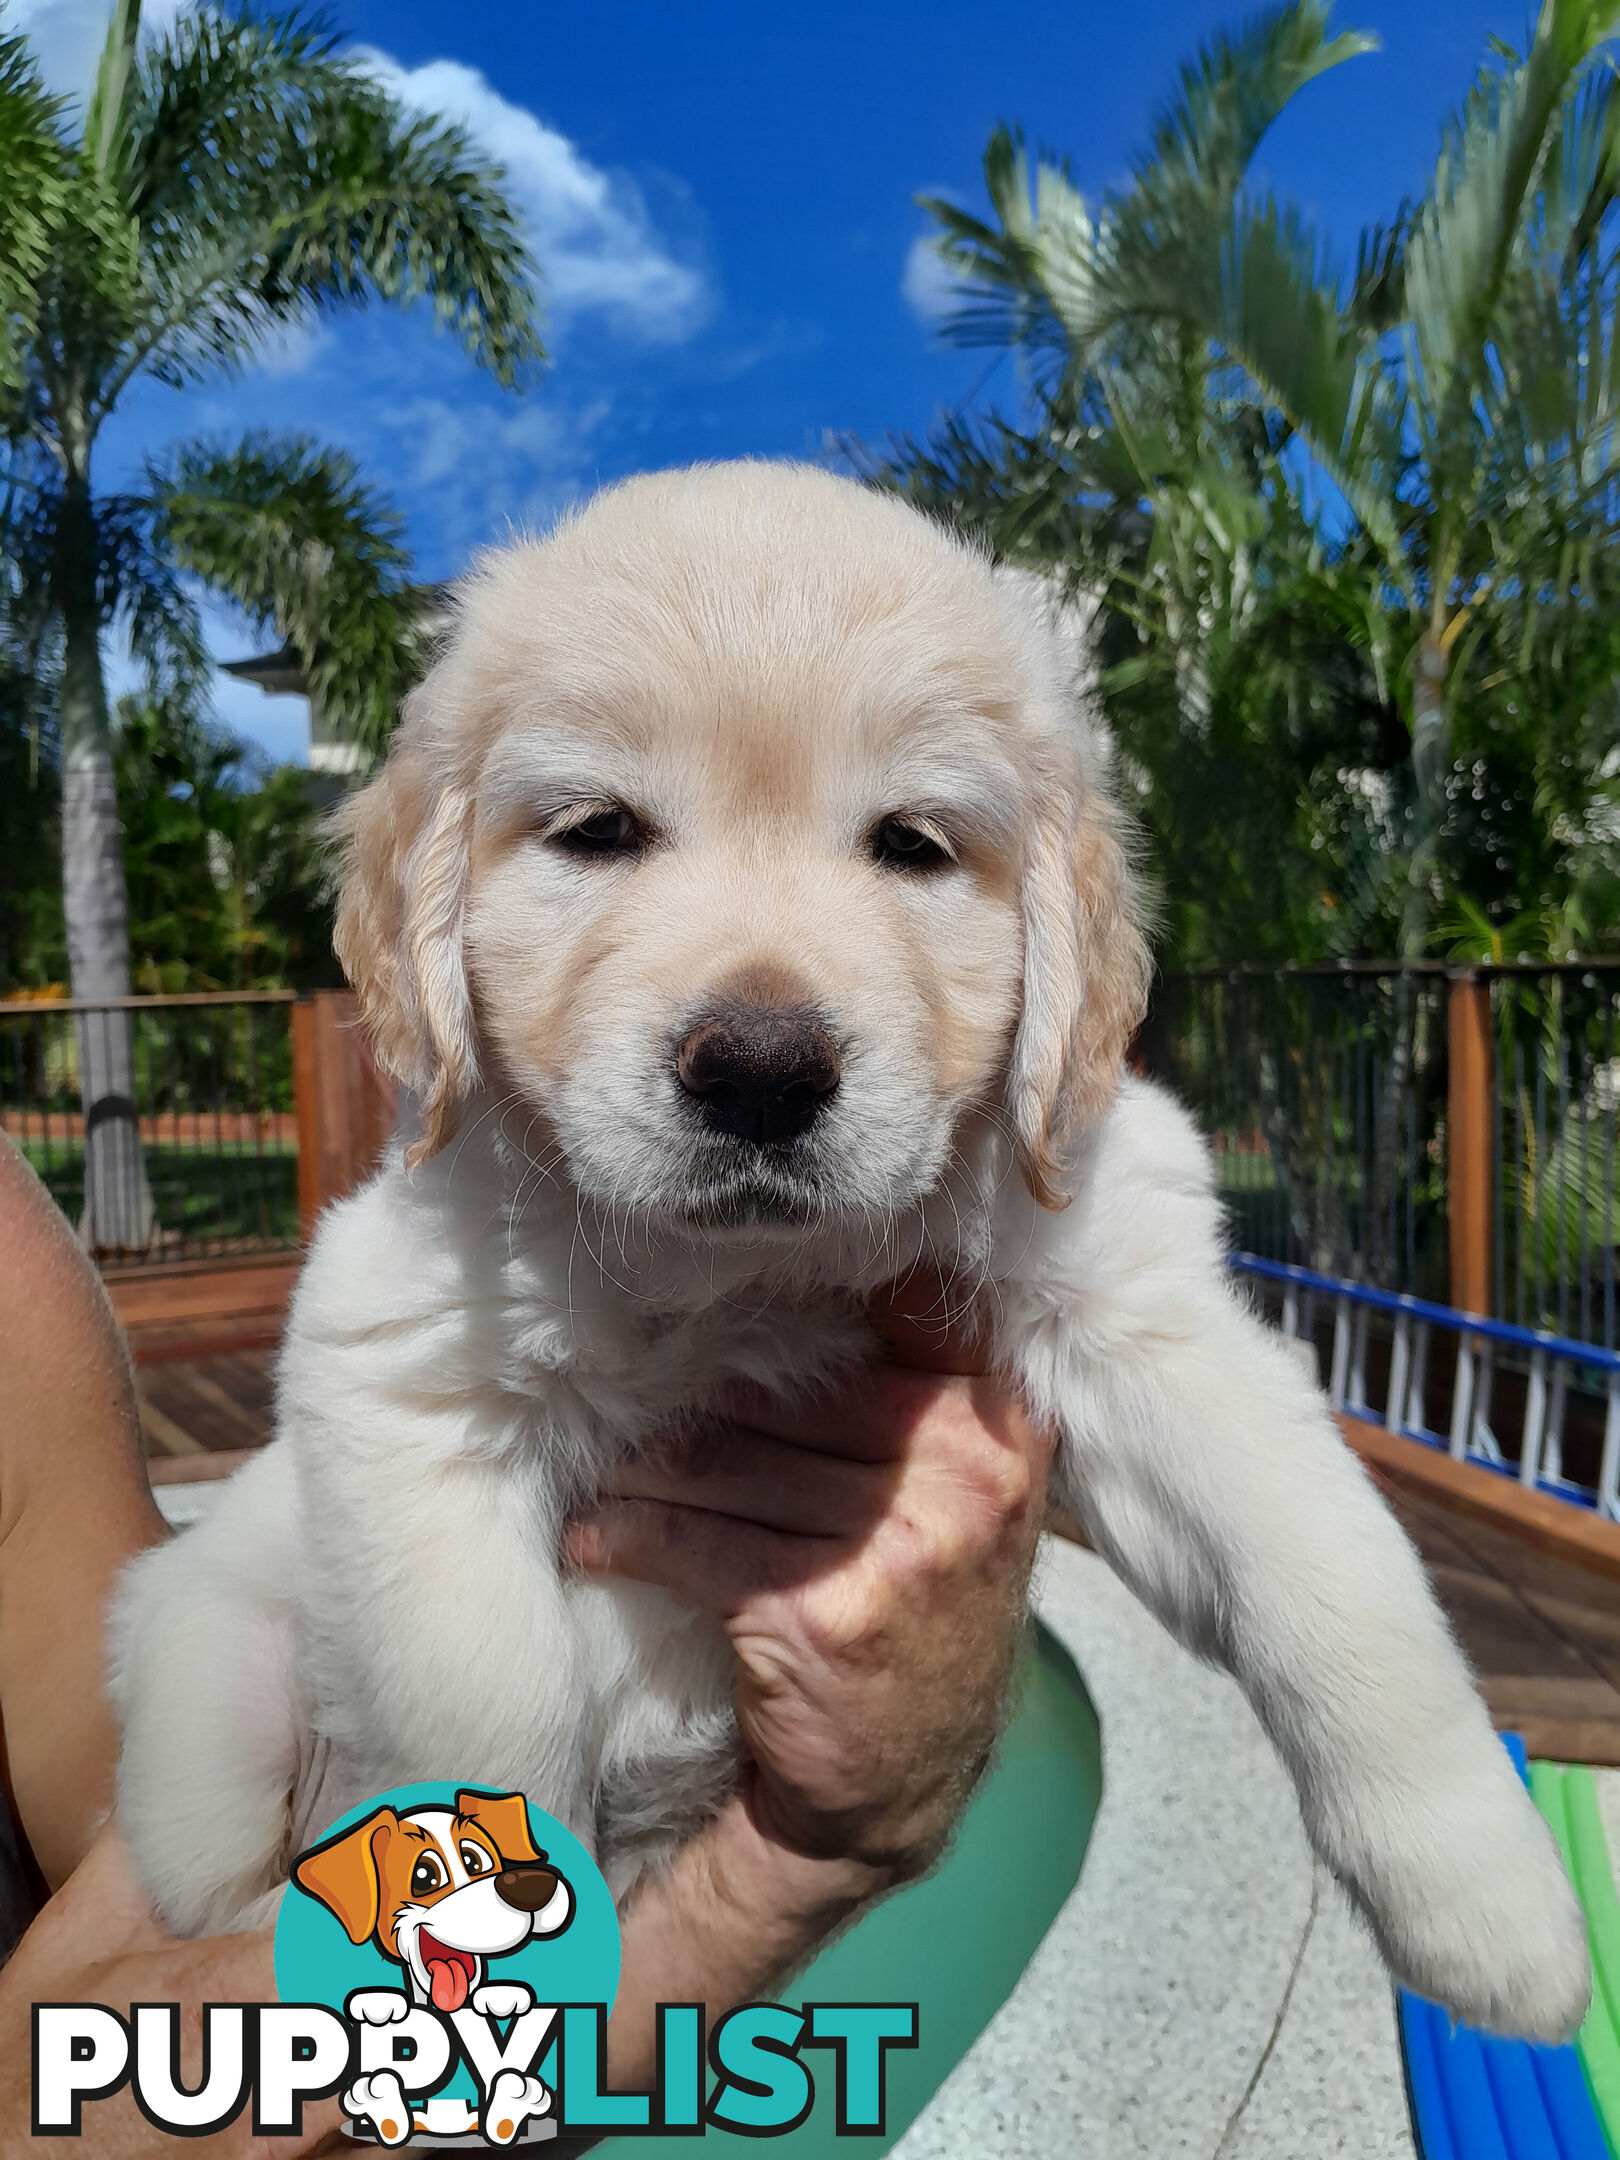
(451, 1906)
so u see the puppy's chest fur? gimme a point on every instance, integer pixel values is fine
(444, 1420)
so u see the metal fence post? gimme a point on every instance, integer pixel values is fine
(1470, 1085)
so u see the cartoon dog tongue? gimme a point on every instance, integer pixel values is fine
(447, 1976)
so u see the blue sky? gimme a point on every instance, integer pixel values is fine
(722, 197)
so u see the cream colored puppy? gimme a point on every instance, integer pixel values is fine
(742, 905)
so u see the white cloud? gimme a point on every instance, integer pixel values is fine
(290, 348)
(927, 284)
(598, 244)
(488, 467)
(596, 240)
(67, 36)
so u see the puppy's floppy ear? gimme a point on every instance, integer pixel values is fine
(1086, 970)
(401, 894)
(345, 1873)
(504, 1817)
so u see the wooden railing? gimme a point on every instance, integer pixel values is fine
(344, 1106)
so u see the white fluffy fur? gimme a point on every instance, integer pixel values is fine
(477, 1340)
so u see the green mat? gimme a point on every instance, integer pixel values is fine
(956, 1943)
(1568, 1800)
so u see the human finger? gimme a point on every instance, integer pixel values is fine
(869, 1418)
(712, 1561)
(755, 1477)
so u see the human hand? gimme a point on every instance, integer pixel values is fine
(869, 1558)
(97, 1941)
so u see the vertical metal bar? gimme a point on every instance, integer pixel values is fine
(1462, 1393)
(1409, 1280)
(1522, 1135)
(1542, 1312)
(1535, 1420)
(1583, 1117)
(1358, 1361)
(1417, 1409)
(1341, 1352)
(1609, 1470)
(1481, 1439)
(1400, 1365)
(1499, 1180)
(1290, 1311)
(1552, 1451)
(1608, 1109)
(1562, 1147)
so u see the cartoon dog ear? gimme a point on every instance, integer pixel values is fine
(346, 1873)
(1086, 973)
(504, 1818)
(402, 887)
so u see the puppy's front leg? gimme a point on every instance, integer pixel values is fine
(1209, 1474)
(1205, 1467)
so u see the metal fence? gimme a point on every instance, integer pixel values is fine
(1442, 1133)
(165, 1128)
(1555, 1214)
(1323, 1093)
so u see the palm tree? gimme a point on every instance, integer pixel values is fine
(231, 178)
(1460, 393)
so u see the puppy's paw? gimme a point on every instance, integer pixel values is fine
(380, 2099)
(378, 2006)
(1474, 1910)
(502, 1999)
(512, 2099)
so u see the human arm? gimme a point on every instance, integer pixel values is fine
(74, 1507)
(97, 1941)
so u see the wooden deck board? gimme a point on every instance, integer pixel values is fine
(1542, 1634)
(215, 1404)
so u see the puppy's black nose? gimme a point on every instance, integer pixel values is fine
(759, 1073)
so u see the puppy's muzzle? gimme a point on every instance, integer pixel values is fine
(759, 1073)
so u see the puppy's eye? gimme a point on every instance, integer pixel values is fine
(615, 831)
(901, 843)
(475, 1860)
(427, 1876)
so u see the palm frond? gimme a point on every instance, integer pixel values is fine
(1494, 163)
(287, 529)
(106, 122)
(33, 193)
(1229, 96)
(271, 178)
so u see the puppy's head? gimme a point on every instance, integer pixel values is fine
(748, 832)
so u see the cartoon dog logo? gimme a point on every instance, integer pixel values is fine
(441, 1891)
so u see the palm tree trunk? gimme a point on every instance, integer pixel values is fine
(118, 1211)
(1430, 765)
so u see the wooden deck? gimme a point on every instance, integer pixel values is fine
(1542, 1634)
(195, 1409)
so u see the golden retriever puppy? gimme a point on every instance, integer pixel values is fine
(743, 907)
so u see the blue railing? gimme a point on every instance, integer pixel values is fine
(1546, 1364)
